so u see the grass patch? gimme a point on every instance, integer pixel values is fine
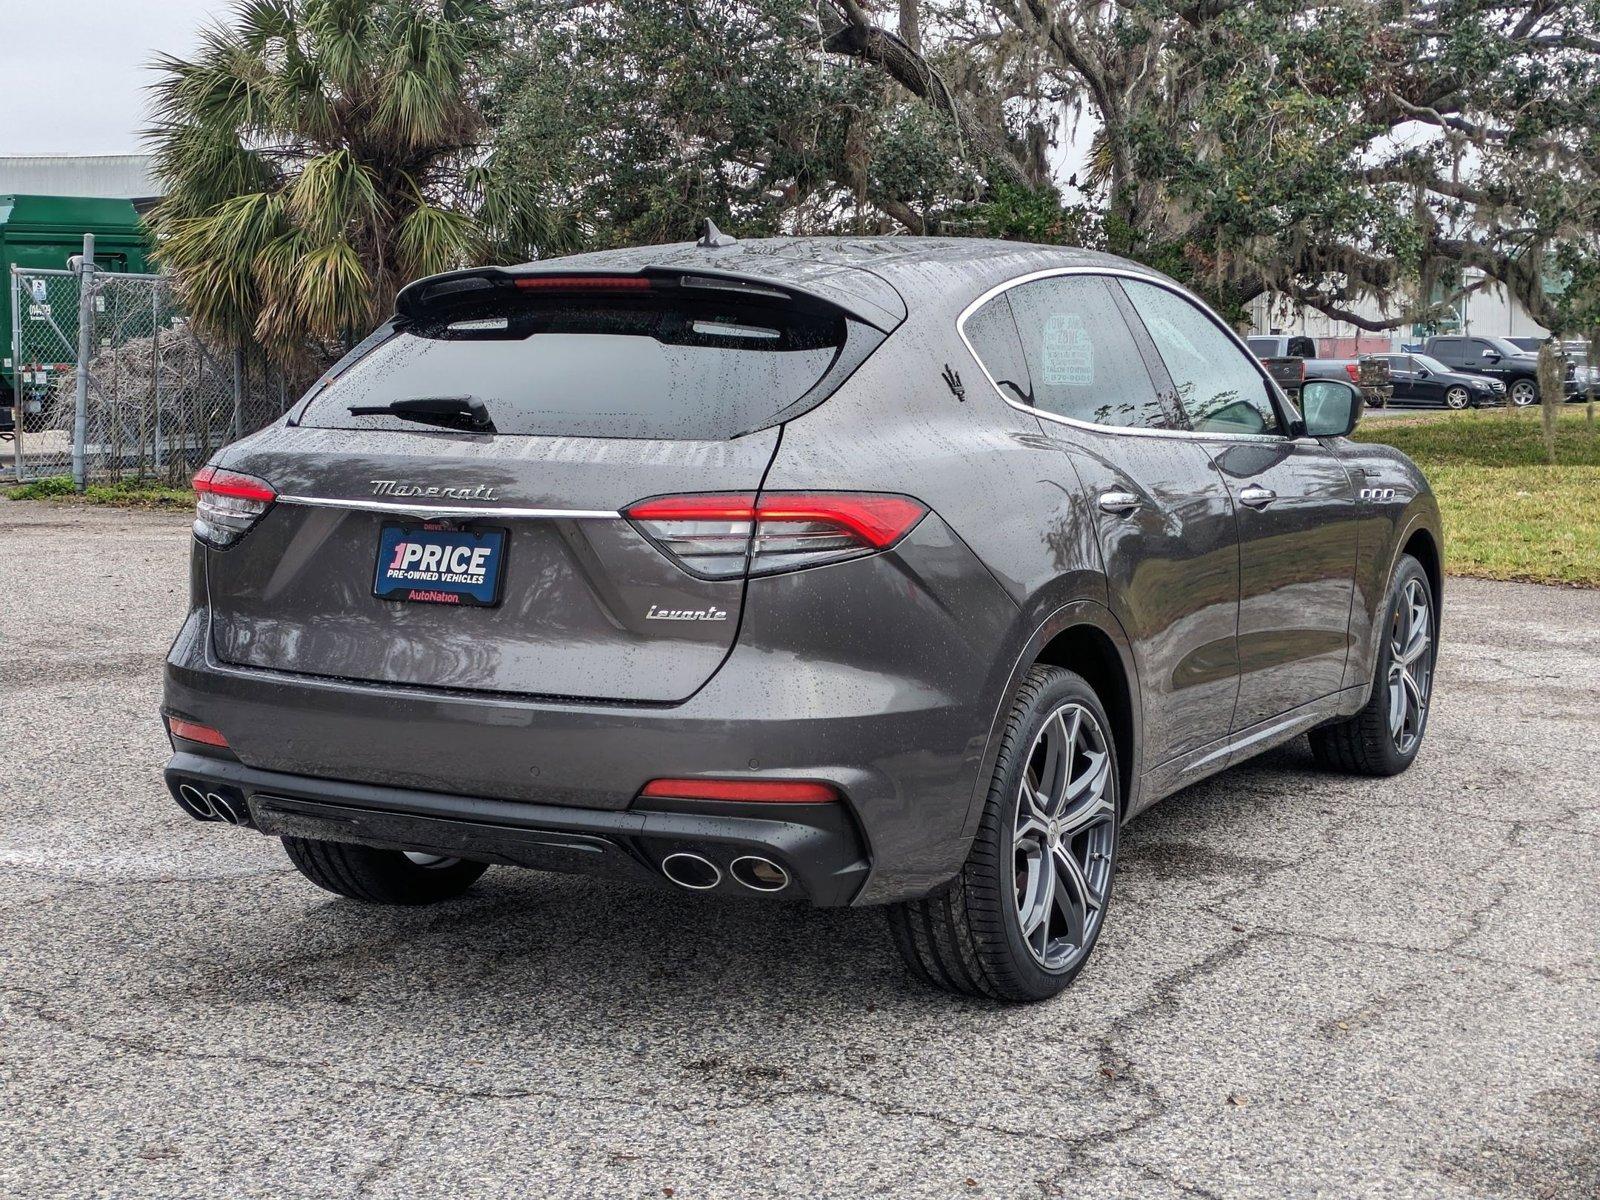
(1507, 513)
(127, 494)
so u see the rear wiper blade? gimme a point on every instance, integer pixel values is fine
(452, 412)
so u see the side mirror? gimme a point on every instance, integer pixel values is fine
(1423, 372)
(1331, 407)
(1490, 356)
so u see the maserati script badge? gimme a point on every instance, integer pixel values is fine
(393, 487)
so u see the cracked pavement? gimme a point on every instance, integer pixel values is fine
(1308, 985)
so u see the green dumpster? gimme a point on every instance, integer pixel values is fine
(43, 232)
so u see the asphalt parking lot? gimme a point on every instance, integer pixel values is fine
(1308, 985)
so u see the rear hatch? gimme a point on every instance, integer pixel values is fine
(449, 507)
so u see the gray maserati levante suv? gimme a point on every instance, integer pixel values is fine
(866, 572)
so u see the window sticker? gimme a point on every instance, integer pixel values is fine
(1067, 353)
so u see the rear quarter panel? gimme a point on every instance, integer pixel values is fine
(985, 468)
(1395, 504)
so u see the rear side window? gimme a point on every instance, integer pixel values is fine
(626, 366)
(1082, 358)
(992, 333)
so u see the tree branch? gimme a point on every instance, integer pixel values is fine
(858, 37)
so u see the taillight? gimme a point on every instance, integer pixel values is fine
(228, 503)
(721, 535)
(1354, 371)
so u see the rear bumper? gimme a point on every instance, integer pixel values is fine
(892, 703)
(816, 844)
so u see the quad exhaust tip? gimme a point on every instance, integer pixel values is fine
(692, 871)
(759, 874)
(698, 873)
(212, 806)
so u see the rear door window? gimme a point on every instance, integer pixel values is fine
(626, 366)
(1082, 357)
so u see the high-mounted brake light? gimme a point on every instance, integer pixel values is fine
(228, 504)
(721, 535)
(584, 283)
(750, 791)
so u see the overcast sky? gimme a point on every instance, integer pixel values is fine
(74, 71)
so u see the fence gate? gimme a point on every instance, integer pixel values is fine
(156, 399)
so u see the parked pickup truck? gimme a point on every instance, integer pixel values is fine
(1292, 359)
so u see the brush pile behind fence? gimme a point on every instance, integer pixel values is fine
(158, 398)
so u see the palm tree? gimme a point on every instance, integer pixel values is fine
(320, 153)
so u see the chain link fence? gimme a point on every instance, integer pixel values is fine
(156, 398)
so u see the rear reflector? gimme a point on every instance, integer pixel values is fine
(193, 731)
(750, 791)
(721, 535)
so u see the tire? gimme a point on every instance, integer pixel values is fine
(1457, 398)
(969, 936)
(1369, 742)
(1524, 392)
(380, 876)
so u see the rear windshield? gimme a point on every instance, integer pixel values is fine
(625, 367)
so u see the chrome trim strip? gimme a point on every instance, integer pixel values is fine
(1117, 273)
(1304, 716)
(453, 510)
(1235, 744)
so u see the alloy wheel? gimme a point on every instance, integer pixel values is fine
(1410, 666)
(1064, 836)
(1523, 393)
(1456, 397)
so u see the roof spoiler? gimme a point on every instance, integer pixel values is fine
(435, 294)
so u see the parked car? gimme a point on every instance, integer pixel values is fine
(1496, 358)
(1293, 359)
(1583, 373)
(1419, 379)
(865, 572)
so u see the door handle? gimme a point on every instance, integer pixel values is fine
(1118, 503)
(1257, 496)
